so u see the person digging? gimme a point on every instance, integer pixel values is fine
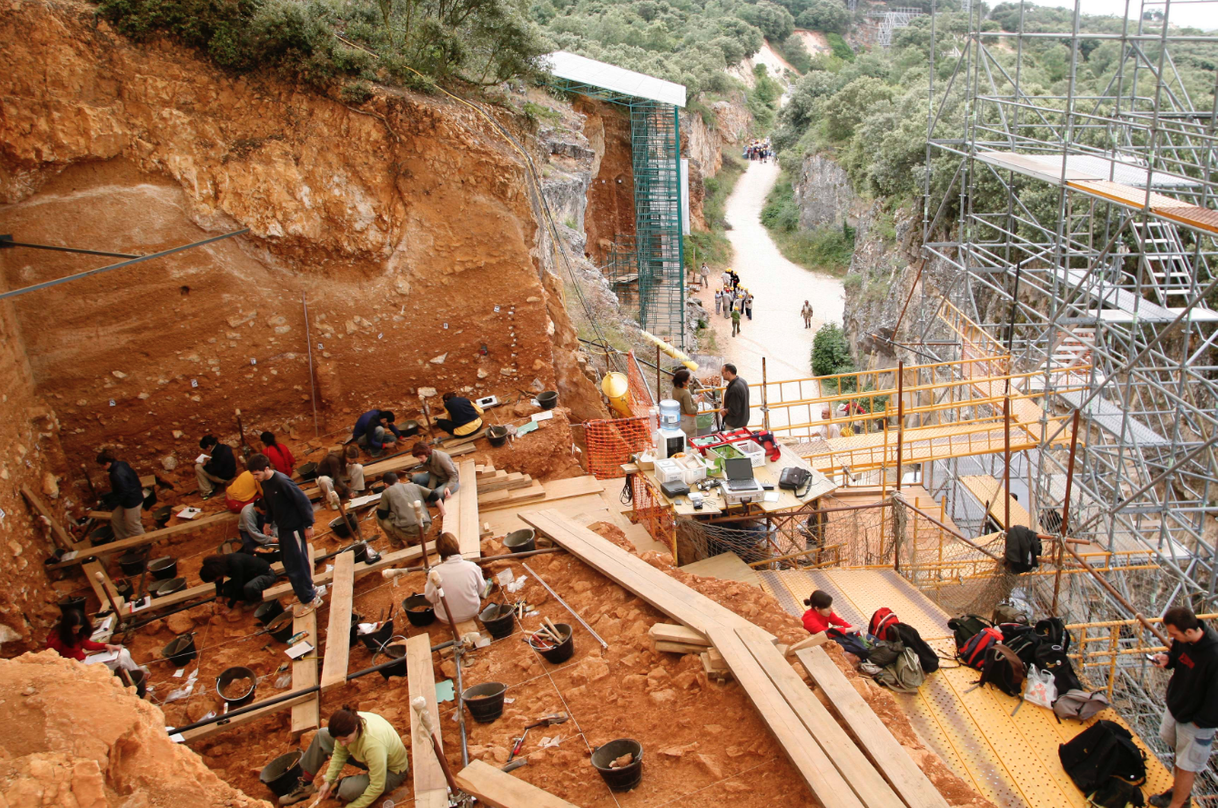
(366, 741)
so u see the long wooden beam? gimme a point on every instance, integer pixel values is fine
(338, 634)
(501, 790)
(307, 714)
(123, 545)
(469, 538)
(430, 787)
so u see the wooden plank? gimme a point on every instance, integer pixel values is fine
(246, 718)
(105, 586)
(504, 497)
(678, 647)
(58, 532)
(806, 754)
(338, 633)
(462, 442)
(885, 752)
(501, 790)
(469, 538)
(555, 491)
(420, 673)
(123, 545)
(853, 765)
(670, 596)
(306, 715)
(513, 480)
(362, 568)
(667, 632)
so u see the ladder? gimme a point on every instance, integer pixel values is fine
(1164, 261)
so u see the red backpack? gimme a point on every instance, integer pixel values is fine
(883, 624)
(973, 652)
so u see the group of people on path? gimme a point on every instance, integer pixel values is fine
(733, 300)
(760, 150)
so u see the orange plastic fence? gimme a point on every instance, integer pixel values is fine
(640, 398)
(654, 513)
(611, 442)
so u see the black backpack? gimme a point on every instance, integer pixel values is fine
(1100, 753)
(1023, 640)
(1003, 669)
(1023, 549)
(965, 628)
(912, 639)
(1118, 794)
(1053, 630)
(1052, 658)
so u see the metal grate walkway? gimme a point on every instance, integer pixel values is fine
(1011, 760)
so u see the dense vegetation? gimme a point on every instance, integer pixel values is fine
(826, 249)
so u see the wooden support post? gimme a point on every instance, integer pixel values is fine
(900, 419)
(306, 715)
(1006, 461)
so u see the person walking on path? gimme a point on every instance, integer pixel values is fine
(290, 510)
(735, 399)
(1191, 717)
(125, 519)
(704, 274)
(718, 301)
(736, 318)
(806, 313)
(748, 303)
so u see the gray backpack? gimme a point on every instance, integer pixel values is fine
(1079, 704)
(904, 674)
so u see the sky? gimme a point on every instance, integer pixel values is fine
(1196, 15)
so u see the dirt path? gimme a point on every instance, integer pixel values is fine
(779, 290)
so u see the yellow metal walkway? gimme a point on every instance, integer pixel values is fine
(1011, 760)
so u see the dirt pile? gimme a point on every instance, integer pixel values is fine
(75, 738)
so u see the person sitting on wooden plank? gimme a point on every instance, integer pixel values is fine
(256, 536)
(239, 578)
(438, 472)
(396, 515)
(464, 416)
(366, 741)
(461, 580)
(242, 491)
(340, 475)
(219, 469)
(125, 485)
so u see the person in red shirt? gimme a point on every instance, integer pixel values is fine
(821, 617)
(279, 455)
(71, 639)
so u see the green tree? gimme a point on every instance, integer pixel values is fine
(829, 16)
(831, 351)
(774, 21)
(851, 104)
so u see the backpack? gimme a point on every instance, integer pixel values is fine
(912, 639)
(884, 653)
(1118, 794)
(850, 643)
(973, 652)
(1054, 630)
(1053, 659)
(1003, 669)
(1100, 753)
(1079, 704)
(1022, 550)
(1024, 643)
(1008, 613)
(965, 628)
(904, 674)
(882, 623)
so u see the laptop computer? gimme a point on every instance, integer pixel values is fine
(739, 471)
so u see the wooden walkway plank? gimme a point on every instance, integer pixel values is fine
(805, 753)
(428, 775)
(306, 715)
(245, 718)
(338, 633)
(501, 790)
(553, 492)
(123, 545)
(470, 537)
(362, 568)
(59, 534)
(885, 752)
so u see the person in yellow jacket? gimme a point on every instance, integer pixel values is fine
(464, 416)
(242, 491)
(366, 741)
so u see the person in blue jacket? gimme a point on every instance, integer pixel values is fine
(125, 485)
(290, 510)
(375, 431)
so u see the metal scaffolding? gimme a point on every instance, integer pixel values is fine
(891, 20)
(1075, 233)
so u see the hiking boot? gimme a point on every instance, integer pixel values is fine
(302, 609)
(301, 793)
(1160, 800)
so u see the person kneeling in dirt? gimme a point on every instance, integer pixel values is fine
(396, 514)
(340, 475)
(366, 741)
(256, 530)
(461, 580)
(464, 416)
(238, 577)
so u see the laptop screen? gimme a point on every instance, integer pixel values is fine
(738, 468)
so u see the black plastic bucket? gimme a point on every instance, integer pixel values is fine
(419, 611)
(181, 650)
(162, 588)
(102, 535)
(234, 695)
(133, 562)
(561, 652)
(161, 516)
(360, 549)
(547, 400)
(485, 701)
(76, 604)
(124, 588)
(497, 435)
(268, 611)
(625, 777)
(283, 774)
(498, 620)
(139, 680)
(307, 471)
(163, 568)
(281, 627)
(374, 640)
(393, 652)
(521, 541)
(344, 531)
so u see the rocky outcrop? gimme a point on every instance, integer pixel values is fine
(76, 738)
(882, 270)
(823, 193)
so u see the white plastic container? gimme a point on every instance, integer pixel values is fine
(669, 471)
(752, 450)
(693, 468)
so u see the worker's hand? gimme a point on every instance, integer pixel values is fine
(448, 492)
(323, 792)
(112, 647)
(1160, 660)
(309, 533)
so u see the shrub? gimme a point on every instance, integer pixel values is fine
(839, 47)
(830, 351)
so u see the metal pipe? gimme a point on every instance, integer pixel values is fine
(1061, 531)
(900, 418)
(6, 242)
(587, 627)
(304, 299)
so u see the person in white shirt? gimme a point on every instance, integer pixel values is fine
(461, 580)
(828, 431)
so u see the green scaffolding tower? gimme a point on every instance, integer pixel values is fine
(653, 259)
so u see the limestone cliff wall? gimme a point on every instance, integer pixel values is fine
(823, 193)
